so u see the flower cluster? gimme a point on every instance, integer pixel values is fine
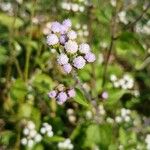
(126, 82)
(71, 115)
(47, 129)
(66, 145)
(70, 53)
(82, 31)
(75, 7)
(31, 136)
(61, 94)
(124, 116)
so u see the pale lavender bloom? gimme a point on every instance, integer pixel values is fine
(61, 98)
(71, 93)
(62, 59)
(72, 35)
(67, 68)
(52, 94)
(52, 39)
(84, 48)
(55, 27)
(63, 29)
(67, 23)
(71, 47)
(79, 62)
(104, 95)
(63, 39)
(90, 57)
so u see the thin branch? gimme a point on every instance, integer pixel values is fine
(130, 25)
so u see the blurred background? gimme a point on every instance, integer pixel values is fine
(117, 118)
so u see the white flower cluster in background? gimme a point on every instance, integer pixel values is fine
(101, 110)
(82, 31)
(147, 141)
(124, 116)
(144, 29)
(6, 7)
(75, 7)
(122, 17)
(71, 115)
(31, 136)
(46, 129)
(66, 145)
(70, 53)
(126, 82)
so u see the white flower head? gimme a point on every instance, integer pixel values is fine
(62, 59)
(52, 39)
(79, 62)
(71, 47)
(84, 48)
(72, 35)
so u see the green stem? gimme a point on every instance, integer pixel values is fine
(28, 50)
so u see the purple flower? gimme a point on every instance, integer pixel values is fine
(67, 23)
(62, 59)
(63, 29)
(84, 48)
(67, 68)
(90, 57)
(79, 62)
(55, 27)
(104, 95)
(63, 39)
(71, 47)
(61, 98)
(52, 94)
(71, 93)
(52, 39)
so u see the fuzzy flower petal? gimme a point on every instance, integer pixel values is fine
(67, 68)
(61, 97)
(71, 47)
(52, 94)
(55, 27)
(84, 48)
(71, 93)
(90, 57)
(72, 35)
(79, 62)
(62, 59)
(52, 39)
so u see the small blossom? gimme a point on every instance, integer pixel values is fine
(62, 59)
(52, 39)
(71, 93)
(67, 23)
(104, 95)
(90, 57)
(63, 39)
(55, 27)
(52, 94)
(72, 35)
(67, 68)
(79, 62)
(84, 48)
(71, 47)
(61, 97)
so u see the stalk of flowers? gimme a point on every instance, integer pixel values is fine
(71, 55)
(62, 94)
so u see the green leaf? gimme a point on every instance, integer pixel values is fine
(114, 96)
(80, 98)
(9, 20)
(42, 82)
(18, 90)
(3, 55)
